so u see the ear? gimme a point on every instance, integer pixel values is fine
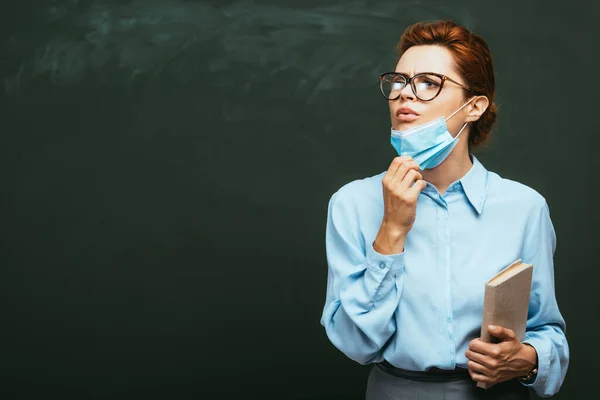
(477, 108)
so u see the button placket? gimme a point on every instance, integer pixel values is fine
(448, 263)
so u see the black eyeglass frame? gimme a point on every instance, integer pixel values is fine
(410, 81)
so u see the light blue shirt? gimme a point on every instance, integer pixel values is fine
(421, 308)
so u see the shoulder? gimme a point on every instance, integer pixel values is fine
(359, 192)
(514, 193)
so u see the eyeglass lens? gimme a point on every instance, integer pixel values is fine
(425, 86)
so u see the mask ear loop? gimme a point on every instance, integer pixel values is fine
(460, 108)
(454, 113)
(461, 129)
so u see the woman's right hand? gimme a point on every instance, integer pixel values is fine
(402, 184)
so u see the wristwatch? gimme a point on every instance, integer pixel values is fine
(532, 374)
(529, 376)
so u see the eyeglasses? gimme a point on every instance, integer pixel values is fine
(426, 85)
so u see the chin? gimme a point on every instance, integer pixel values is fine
(401, 125)
(404, 126)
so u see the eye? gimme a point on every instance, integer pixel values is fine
(429, 83)
(398, 79)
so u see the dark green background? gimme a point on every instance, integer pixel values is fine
(166, 168)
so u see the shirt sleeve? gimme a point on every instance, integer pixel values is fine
(363, 286)
(546, 327)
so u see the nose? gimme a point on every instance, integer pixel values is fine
(407, 93)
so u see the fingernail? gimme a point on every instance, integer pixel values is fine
(493, 327)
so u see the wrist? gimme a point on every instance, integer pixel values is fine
(529, 354)
(389, 241)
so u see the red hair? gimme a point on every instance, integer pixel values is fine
(473, 62)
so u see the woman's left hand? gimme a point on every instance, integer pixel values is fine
(493, 363)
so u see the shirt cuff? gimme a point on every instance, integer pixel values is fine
(382, 263)
(543, 362)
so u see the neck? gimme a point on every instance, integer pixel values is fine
(454, 167)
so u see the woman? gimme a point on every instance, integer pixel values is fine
(409, 250)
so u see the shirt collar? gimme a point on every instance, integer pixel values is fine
(475, 184)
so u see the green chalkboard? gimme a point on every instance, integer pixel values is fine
(166, 168)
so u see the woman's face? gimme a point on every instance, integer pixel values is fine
(429, 58)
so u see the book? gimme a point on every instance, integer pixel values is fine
(506, 302)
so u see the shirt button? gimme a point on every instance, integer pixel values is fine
(382, 265)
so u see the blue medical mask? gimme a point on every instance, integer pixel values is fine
(428, 144)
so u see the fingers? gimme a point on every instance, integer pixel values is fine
(479, 377)
(486, 349)
(486, 361)
(405, 167)
(482, 368)
(478, 370)
(395, 164)
(402, 173)
(502, 333)
(417, 188)
(410, 177)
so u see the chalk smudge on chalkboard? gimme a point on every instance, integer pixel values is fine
(299, 52)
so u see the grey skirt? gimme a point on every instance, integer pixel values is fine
(382, 385)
